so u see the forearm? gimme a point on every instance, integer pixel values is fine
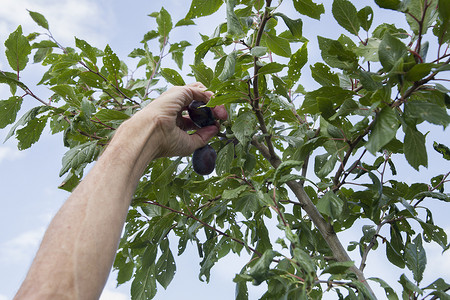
(79, 247)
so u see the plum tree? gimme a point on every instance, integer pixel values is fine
(316, 152)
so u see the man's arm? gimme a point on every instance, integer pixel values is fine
(79, 246)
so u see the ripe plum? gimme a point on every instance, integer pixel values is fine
(204, 160)
(201, 116)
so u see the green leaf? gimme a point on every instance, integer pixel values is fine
(27, 117)
(444, 150)
(201, 8)
(165, 268)
(390, 293)
(258, 51)
(39, 19)
(296, 63)
(324, 164)
(234, 27)
(150, 35)
(9, 109)
(233, 97)
(247, 203)
(370, 50)
(272, 67)
(323, 75)
(420, 10)
(143, 286)
(444, 9)
(228, 67)
(87, 50)
(172, 76)
(68, 93)
(11, 80)
(203, 73)
(331, 205)
(367, 80)
(184, 22)
(112, 63)
(338, 267)
(285, 168)
(335, 55)
(105, 115)
(241, 290)
(346, 15)
(234, 193)
(335, 94)
(389, 4)
(244, 127)
(384, 130)
(415, 257)
(435, 195)
(224, 159)
(31, 133)
(70, 183)
(260, 271)
(365, 16)
(17, 50)
(419, 71)
(203, 48)
(435, 233)
(164, 22)
(428, 111)
(391, 51)
(439, 284)
(278, 45)
(414, 148)
(295, 26)
(394, 256)
(78, 155)
(309, 8)
(408, 286)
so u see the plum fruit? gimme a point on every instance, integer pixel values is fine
(201, 116)
(204, 160)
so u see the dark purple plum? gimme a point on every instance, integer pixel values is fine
(204, 160)
(201, 116)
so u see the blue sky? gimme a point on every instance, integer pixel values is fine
(29, 179)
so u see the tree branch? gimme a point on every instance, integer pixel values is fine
(220, 232)
(320, 223)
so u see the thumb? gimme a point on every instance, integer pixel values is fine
(202, 136)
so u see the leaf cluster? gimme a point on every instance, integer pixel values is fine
(312, 161)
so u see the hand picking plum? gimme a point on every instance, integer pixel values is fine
(201, 116)
(204, 160)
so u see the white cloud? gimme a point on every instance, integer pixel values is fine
(22, 247)
(7, 153)
(112, 295)
(2, 297)
(84, 18)
(110, 291)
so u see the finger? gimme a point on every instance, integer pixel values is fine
(197, 84)
(185, 123)
(202, 136)
(200, 94)
(220, 112)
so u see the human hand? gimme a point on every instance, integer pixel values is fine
(164, 115)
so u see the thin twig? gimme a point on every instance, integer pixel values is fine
(205, 224)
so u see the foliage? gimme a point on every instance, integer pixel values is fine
(286, 153)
